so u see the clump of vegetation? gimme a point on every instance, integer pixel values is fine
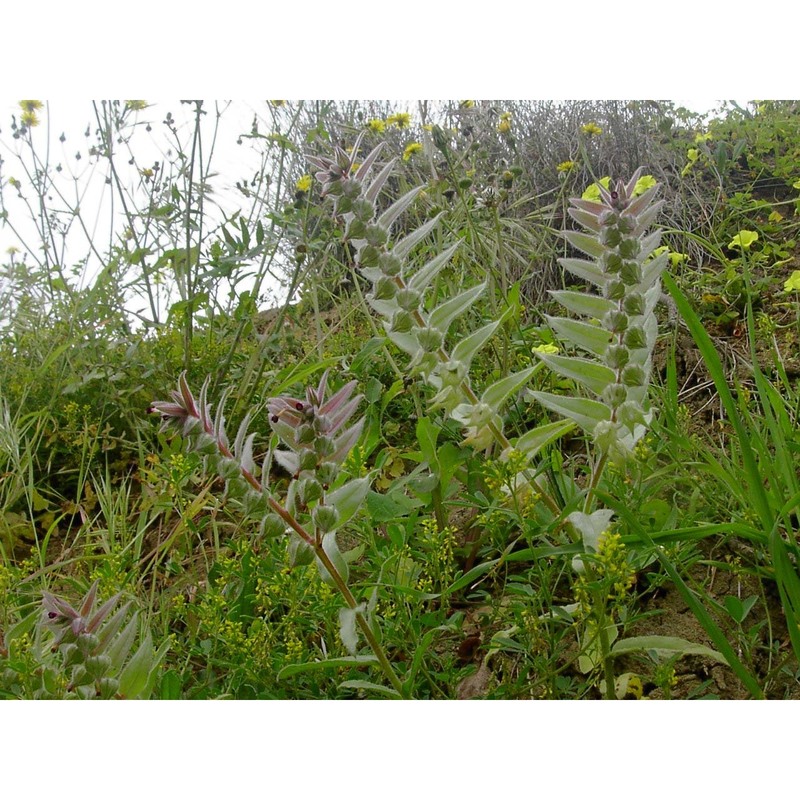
(440, 484)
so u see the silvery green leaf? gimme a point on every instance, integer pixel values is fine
(156, 660)
(403, 247)
(347, 499)
(585, 218)
(407, 342)
(367, 163)
(651, 298)
(534, 440)
(588, 205)
(331, 548)
(652, 270)
(444, 314)
(595, 377)
(347, 628)
(640, 203)
(587, 270)
(386, 308)
(299, 551)
(109, 630)
(118, 649)
(649, 243)
(496, 394)
(465, 350)
(646, 218)
(587, 413)
(288, 460)
(590, 305)
(377, 184)
(420, 280)
(585, 242)
(238, 442)
(591, 338)
(398, 207)
(371, 273)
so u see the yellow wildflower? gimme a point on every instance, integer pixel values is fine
(591, 129)
(30, 105)
(412, 148)
(29, 119)
(277, 103)
(376, 125)
(136, 105)
(466, 104)
(566, 166)
(303, 184)
(545, 348)
(401, 119)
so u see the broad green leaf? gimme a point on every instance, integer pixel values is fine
(496, 394)
(386, 507)
(329, 663)
(347, 499)
(585, 242)
(444, 314)
(407, 342)
(133, 678)
(591, 338)
(403, 247)
(595, 377)
(587, 270)
(590, 305)
(427, 434)
(170, 686)
(420, 280)
(534, 440)
(665, 647)
(370, 687)
(398, 207)
(587, 413)
(366, 353)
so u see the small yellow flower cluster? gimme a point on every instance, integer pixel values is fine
(591, 129)
(293, 644)
(611, 571)
(566, 166)
(376, 125)
(439, 569)
(411, 149)
(504, 126)
(136, 105)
